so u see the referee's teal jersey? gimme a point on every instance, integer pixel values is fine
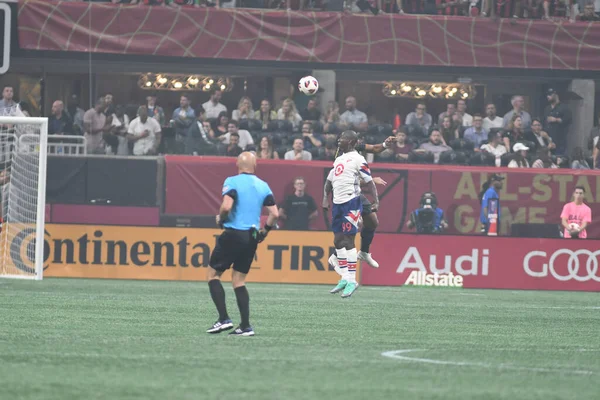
(250, 195)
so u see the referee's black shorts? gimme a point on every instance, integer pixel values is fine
(234, 247)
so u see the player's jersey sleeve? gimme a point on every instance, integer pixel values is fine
(565, 211)
(229, 188)
(364, 170)
(330, 176)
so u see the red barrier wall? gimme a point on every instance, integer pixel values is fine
(193, 186)
(483, 262)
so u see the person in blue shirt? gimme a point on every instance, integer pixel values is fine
(490, 191)
(244, 196)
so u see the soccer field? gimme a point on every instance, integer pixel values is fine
(102, 339)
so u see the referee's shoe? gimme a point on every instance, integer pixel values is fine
(220, 326)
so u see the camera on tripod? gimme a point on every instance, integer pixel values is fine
(428, 218)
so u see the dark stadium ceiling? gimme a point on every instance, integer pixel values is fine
(64, 63)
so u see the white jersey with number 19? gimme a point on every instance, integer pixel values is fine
(348, 169)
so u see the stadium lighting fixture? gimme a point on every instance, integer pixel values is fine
(180, 82)
(420, 90)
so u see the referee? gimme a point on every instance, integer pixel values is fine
(244, 196)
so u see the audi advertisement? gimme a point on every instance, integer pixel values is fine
(499, 263)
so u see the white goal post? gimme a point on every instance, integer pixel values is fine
(23, 159)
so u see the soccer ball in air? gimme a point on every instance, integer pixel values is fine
(308, 85)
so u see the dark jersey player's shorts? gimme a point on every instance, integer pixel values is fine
(344, 217)
(234, 247)
(366, 205)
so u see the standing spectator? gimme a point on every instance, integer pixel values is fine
(76, 114)
(495, 147)
(59, 122)
(288, 112)
(492, 120)
(155, 111)
(266, 150)
(117, 137)
(520, 160)
(298, 153)
(244, 110)
(419, 120)
(518, 103)
(7, 98)
(265, 114)
(435, 145)
(311, 112)
(538, 136)
(299, 208)
(401, 148)
(450, 110)
(476, 134)
(108, 102)
(233, 149)
(183, 118)
(331, 118)
(311, 140)
(94, 127)
(576, 216)
(353, 118)
(490, 192)
(145, 133)
(514, 132)
(244, 137)
(557, 119)
(213, 107)
(461, 109)
(449, 130)
(578, 160)
(544, 159)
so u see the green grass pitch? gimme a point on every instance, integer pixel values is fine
(101, 339)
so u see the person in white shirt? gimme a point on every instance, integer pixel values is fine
(495, 147)
(520, 160)
(461, 109)
(353, 118)
(348, 170)
(492, 120)
(245, 136)
(145, 133)
(213, 107)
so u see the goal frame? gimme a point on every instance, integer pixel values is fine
(41, 192)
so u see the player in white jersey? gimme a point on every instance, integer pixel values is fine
(348, 170)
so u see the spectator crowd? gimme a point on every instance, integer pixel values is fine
(584, 10)
(515, 140)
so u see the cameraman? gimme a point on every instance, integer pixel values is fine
(428, 218)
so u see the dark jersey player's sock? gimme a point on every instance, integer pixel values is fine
(218, 295)
(243, 301)
(366, 238)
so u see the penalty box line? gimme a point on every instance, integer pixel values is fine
(398, 355)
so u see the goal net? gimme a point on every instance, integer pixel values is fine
(23, 156)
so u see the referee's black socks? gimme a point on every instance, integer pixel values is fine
(243, 301)
(218, 295)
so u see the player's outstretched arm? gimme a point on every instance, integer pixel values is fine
(378, 148)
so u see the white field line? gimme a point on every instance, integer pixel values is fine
(397, 354)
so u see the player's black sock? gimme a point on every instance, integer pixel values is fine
(366, 238)
(243, 300)
(218, 295)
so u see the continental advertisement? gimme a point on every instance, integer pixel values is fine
(118, 252)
